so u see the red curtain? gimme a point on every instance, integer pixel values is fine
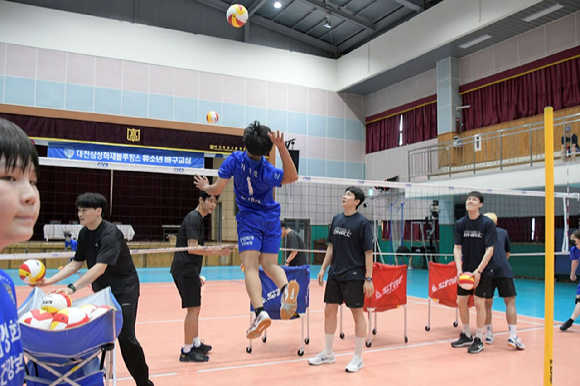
(525, 96)
(420, 124)
(383, 134)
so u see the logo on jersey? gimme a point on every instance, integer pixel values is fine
(473, 234)
(342, 232)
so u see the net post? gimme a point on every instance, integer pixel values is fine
(549, 245)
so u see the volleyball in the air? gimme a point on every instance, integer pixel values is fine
(466, 281)
(53, 303)
(237, 15)
(32, 271)
(100, 311)
(69, 318)
(37, 318)
(212, 117)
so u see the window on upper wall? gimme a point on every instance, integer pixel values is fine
(401, 131)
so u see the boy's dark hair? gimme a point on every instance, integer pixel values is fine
(205, 195)
(256, 139)
(576, 234)
(92, 200)
(358, 194)
(16, 149)
(283, 224)
(476, 194)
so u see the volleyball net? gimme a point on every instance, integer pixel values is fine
(148, 204)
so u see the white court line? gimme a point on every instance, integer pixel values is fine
(263, 364)
(150, 376)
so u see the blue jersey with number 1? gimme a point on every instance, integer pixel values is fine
(254, 182)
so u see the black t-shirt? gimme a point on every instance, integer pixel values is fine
(573, 139)
(501, 266)
(185, 264)
(351, 237)
(107, 245)
(475, 236)
(294, 241)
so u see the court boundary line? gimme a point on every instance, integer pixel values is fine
(392, 348)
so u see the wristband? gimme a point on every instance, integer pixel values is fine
(72, 288)
(368, 278)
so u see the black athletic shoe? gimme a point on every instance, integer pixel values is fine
(567, 324)
(463, 341)
(204, 348)
(476, 347)
(193, 356)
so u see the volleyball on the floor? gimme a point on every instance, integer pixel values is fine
(242, 267)
(237, 15)
(100, 311)
(32, 271)
(212, 117)
(53, 303)
(68, 318)
(37, 318)
(466, 281)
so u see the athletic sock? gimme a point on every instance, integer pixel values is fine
(488, 329)
(358, 346)
(196, 342)
(187, 348)
(513, 330)
(479, 333)
(328, 343)
(258, 310)
(466, 331)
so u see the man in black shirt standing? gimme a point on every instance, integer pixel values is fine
(103, 247)
(475, 237)
(350, 257)
(186, 269)
(503, 280)
(294, 242)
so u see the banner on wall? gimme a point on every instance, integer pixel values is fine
(127, 155)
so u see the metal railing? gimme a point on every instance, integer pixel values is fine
(494, 150)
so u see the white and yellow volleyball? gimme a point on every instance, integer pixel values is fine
(237, 15)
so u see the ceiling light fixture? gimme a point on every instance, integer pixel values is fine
(327, 21)
(277, 5)
(475, 41)
(543, 12)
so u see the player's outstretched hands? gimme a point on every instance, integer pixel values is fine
(321, 278)
(277, 138)
(201, 182)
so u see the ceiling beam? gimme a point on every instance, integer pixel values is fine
(412, 6)
(255, 6)
(340, 13)
(217, 4)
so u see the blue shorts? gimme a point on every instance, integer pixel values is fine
(258, 232)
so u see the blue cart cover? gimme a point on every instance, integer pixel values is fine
(271, 296)
(64, 349)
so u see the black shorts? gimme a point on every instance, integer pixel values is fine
(505, 287)
(350, 292)
(483, 290)
(189, 289)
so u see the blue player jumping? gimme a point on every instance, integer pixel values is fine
(258, 219)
